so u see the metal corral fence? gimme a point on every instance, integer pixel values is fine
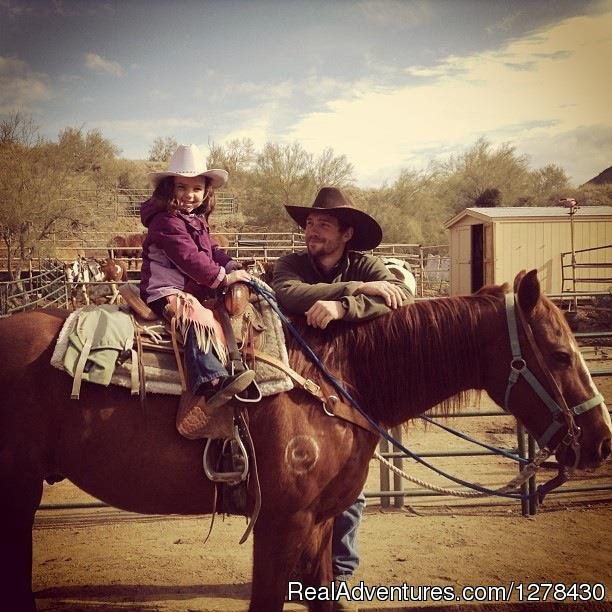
(429, 264)
(45, 287)
(392, 488)
(48, 286)
(126, 202)
(597, 271)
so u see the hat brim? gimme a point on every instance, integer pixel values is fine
(218, 177)
(367, 234)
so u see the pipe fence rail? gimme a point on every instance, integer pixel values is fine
(429, 264)
(392, 490)
(598, 271)
(48, 286)
(122, 202)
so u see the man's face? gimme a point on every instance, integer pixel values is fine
(324, 237)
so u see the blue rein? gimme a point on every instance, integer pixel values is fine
(271, 299)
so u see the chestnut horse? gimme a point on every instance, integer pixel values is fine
(128, 248)
(311, 465)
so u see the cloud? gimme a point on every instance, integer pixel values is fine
(20, 87)
(547, 84)
(146, 128)
(61, 8)
(396, 13)
(12, 9)
(505, 24)
(521, 65)
(98, 63)
(583, 152)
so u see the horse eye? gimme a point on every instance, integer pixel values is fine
(562, 358)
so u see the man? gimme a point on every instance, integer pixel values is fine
(332, 281)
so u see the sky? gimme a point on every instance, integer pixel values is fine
(391, 84)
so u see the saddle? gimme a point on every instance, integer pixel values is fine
(244, 329)
(229, 456)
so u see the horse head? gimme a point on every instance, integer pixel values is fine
(113, 270)
(401, 270)
(546, 383)
(71, 271)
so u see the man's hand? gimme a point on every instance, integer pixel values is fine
(324, 311)
(391, 293)
(237, 276)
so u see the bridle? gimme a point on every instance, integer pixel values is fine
(560, 414)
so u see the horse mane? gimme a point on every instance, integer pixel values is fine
(430, 342)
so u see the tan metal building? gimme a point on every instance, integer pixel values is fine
(490, 245)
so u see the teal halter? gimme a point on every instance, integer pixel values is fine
(561, 414)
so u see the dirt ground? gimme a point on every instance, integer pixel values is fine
(105, 559)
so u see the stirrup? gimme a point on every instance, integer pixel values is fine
(250, 400)
(246, 399)
(229, 477)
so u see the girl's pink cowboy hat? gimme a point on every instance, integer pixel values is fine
(190, 162)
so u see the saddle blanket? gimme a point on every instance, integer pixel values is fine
(160, 371)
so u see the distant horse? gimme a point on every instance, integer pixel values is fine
(83, 271)
(128, 247)
(311, 465)
(401, 269)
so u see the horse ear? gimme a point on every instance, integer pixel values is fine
(527, 286)
(518, 279)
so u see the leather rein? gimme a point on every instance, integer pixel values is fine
(560, 413)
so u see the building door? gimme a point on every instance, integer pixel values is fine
(488, 261)
(477, 267)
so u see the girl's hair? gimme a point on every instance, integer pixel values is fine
(164, 195)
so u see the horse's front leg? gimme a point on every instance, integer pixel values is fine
(278, 543)
(115, 294)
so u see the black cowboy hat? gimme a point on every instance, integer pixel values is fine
(367, 234)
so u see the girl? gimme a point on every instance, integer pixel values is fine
(182, 264)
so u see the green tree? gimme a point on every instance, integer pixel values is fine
(288, 174)
(162, 149)
(484, 176)
(548, 185)
(40, 184)
(237, 157)
(591, 195)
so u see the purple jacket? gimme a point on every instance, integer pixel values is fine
(179, 254)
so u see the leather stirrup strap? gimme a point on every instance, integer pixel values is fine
(254, 480)
(305, 383)
(80, 366)
(230, 338)
(336, 408)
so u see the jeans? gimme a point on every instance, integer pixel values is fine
(345, 554)
(200, 367)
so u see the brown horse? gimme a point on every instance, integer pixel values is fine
(311, 465)
(83, 271)
(128, 247)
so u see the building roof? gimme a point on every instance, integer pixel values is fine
(528, 213)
